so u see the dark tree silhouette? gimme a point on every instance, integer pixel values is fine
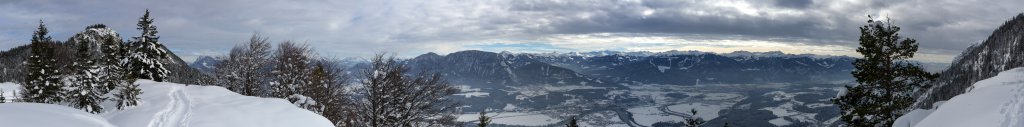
(393, 97)
(42, 85)
(886, 81)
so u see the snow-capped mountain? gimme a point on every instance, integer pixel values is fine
(1001, 51)
(480, 68)
(685, 68)
(95, 35)
(205, 64)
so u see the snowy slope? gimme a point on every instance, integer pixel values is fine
(47, 115)
(9, 90)
(993, 102)
(174, 105)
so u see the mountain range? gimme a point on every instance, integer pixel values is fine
(610, 68)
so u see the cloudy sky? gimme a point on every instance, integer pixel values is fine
(359, 28)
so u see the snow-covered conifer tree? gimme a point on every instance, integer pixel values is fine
(484, 120)
(112, 62)
(85, 89)
(128, 95)
(693, 121)
(2, 98)
(572, 122)
(147, 53)
(42, 85)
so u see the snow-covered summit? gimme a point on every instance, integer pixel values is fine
(993, 102)
(95, 35)
(170, 105)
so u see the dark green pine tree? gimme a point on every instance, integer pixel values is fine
(122, 62)
(147, 54)
(128, 95)
(42, 85)
(112, 63)
(694, 121)
(484, 120)
(2, 98)
(85, 84)
(572, 122)
(886, 81)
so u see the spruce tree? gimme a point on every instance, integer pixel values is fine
(85, 85)
(2, 98)
(148, 53)
(42, 85)
(694, 121)
(112, 63)
(886, 81)
(484, 120)
(572, 122)
(128, 95)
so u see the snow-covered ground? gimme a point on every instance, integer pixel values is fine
(650, 115)
(704, 111)
(173, 105)
(47, 115)
(512, 118)
(993, 102)
(602, 119)
(9, 90)
(541, 90)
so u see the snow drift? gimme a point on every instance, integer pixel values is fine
(47, 115)
(996, 101)
(170, 105)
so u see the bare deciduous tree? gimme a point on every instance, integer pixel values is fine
(393, 97)
(327, 87)
(243, 70)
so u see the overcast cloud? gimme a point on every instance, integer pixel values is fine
(358, 28)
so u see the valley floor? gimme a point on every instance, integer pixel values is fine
(650, 104)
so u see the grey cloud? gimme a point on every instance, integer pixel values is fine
(361, 27)
(943, 25)
(799, 4)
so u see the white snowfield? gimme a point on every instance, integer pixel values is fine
(171, 105)
(47, 115)
(993, 102)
